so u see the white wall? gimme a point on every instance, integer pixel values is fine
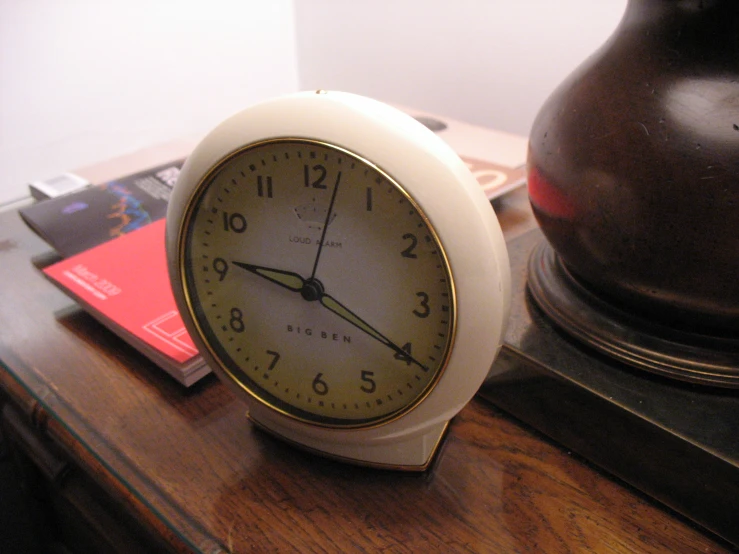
(491, 62)
(85, 80)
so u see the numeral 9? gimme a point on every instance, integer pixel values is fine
(220, 266)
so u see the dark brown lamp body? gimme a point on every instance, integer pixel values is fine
(634, 166)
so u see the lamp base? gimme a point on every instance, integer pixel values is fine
(675, 441)
(644, 344)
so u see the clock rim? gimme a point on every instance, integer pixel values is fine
(219, 364)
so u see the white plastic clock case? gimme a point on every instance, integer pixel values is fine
(447, 193)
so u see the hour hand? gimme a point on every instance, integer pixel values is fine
(286, 279)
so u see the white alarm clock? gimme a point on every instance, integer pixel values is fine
(341, 270)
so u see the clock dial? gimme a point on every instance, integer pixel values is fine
(317, 283)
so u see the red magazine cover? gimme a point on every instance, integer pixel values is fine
(124, 283)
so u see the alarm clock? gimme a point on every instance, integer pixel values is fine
(341, 270)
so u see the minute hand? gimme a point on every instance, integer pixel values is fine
(342, 311)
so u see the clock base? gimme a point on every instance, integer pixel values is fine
(408, 454)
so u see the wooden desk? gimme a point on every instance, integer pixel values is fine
(137, 463)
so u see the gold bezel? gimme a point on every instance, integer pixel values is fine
(222, 368)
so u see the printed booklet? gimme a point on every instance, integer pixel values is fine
(124, 284)
(74, 222)
(497, 159)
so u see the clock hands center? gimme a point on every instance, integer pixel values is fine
(311, 290)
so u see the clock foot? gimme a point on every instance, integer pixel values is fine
(406, 454)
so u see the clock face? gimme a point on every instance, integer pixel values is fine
(317, 283)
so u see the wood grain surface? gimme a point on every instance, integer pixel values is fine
(189, 463)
